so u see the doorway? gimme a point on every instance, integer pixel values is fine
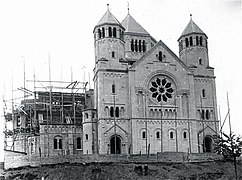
(115, 148)
(208, 144)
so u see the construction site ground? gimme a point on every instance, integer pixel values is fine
(218, 170)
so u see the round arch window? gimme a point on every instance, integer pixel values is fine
(162, 89)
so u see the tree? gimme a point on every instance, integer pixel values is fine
(230, 146)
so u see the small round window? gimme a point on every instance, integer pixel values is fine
(161, 89)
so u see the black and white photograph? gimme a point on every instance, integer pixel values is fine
(124, 89)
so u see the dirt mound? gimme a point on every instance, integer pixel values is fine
(109, 171)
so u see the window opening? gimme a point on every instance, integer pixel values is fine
(140, 45)
(144, 46)
(117, 112)
(160, 56)
(136, 45)
(109, 31)
(99, 33)
(201, 40)
(114, 32)
(171, 135)
(113, 88)
(103, 32)
(200, 61)
(157, 135)
(111, 112)
(203, 93)
(86, 115)
(113, 54)
(186, 41)
(191, 43)
(203, 114)
(57, 143)
(86, 136)
(78, 143)
(207, 114)
(185, 135)
(132, 45)
(143, 134)
(197, 41)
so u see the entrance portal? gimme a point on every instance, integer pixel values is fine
(115, 147)
(208, 144)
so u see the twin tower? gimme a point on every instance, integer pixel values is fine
(146, 99)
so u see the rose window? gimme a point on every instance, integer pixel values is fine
(161, 89)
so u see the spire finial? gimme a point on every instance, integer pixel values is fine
(108, 7)
(128, 7)
(191, 16)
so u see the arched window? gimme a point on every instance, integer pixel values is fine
(86, 115)
(160, 56)
(113, 88)
(186, 41)
(191, 41)
(197, 41)
(143, 135)
(113, 54)
(200, 61)
(185, 135)
(144, 46)
(111, 111)
(86, 135)
(114, 32)
(201, 40)
(136, 45)
(99, 33)
(78, 143)
(203, 114)
(207, 114)
(109, 31)
(171, 135)
(158, 135)
(117, 112)
(106, 111)
(203, 93)
(103, 32)
(132, 45)
(58, 142)
(140, 45)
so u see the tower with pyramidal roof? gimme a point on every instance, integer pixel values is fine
(146, 98)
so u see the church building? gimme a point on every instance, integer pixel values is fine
(146, 98)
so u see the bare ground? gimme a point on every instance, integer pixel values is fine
(113, 171)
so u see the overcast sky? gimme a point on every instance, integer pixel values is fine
(32, 29)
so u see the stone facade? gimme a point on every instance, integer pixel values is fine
(148, 100)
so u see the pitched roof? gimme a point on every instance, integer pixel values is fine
(192, 28)
(160, 43)
(108, 18)
(132, 26)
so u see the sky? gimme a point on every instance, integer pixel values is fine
(58, 34)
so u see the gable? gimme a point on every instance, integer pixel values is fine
(170, 57)
(150, 66)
